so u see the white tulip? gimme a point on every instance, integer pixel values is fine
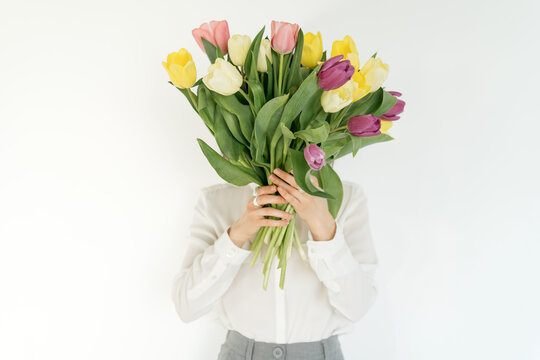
(334, 100)
(264, 50)
(238, 48)
(223, 77)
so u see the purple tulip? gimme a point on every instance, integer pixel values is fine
(314, 156)
(364, 125)
(334, 73)
(393, 113)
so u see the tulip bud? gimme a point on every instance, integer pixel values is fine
(265, 50)
(393, 113)
(375, 72)
(181, 69)
(364, 125)
(314, 156)
(334, 73)
(238, 46)
(334, 100)
(223, 77)
(284, 36)
(347, 48)
(312, 51)
(217, 32)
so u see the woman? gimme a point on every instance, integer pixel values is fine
(322, 297)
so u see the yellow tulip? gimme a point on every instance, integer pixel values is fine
(265, 50)
(375, 72)
(181, 69)
(312, 50)
(361, 88)
(385, 125)
(334, 100)
(238, 47)
(347, 48)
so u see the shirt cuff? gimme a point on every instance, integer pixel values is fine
(333, 258)
(229, 251)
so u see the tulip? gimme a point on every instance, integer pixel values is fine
(334, 100)
(312, 51)
(181, 69)
(314, 156)
(393, 113)
(361, 88)
(223, 77)
(334, 73)
(217, 32)
(385, 125)
(364, 125)
(265, 50)
(238, 46)
(347, 48)
(283, 36)
(375, 72)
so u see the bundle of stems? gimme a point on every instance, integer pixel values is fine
(279, 241)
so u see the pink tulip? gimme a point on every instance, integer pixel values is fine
(217, 32)
(314, 156)
(393, 113)
(364, 125)
(283, 36)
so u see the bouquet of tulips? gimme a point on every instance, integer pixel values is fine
(279, 102)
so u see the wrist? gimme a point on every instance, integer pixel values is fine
(237, 239)
(324, 229)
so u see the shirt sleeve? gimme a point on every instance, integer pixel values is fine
(346, 263)
(210, 264)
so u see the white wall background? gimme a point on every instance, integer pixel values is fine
(99, 170)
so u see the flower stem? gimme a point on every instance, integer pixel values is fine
(280, 74)
(338, 128)
(249, 102)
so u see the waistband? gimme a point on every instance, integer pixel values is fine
(321, 349)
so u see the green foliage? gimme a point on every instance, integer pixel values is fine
(234, 174)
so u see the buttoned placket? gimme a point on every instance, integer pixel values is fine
(280, 308)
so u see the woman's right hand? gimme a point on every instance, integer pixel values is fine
(253, 217)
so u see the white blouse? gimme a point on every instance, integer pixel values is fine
(322, 295)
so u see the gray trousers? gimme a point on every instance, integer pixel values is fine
(239, 347)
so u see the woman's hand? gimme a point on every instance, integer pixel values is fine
(312, 209)
(253, 217)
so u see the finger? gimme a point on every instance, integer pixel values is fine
(270, 211)
(267, 189)
(289, 178)
(281, 183)
(271, 199)
(289, 197)
(272, 222)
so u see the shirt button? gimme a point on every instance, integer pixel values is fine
(277, 352)
(231, 253)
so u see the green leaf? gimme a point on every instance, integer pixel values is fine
(359, 142)
(210, 50)
(233, 124)
(301, 169)
(226, 142)
(287, 133)
(270, 82)
(316, 134)
(234, 174)
(313, 106)
(242, 112)
(294, 77)
(388, 100)
(331, 183)
(256, 92)
(250, 63)
(266, 122)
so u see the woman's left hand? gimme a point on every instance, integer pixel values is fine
(312, 209)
